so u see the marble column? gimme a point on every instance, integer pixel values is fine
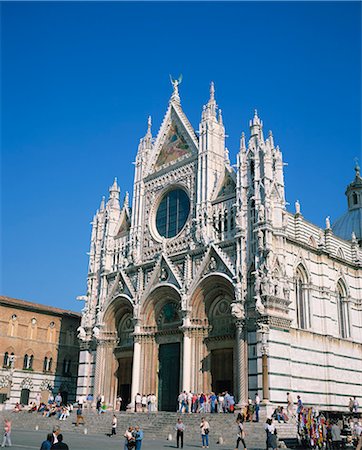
(136, 367)
(186, 359)
(241, 366)
(264, 336)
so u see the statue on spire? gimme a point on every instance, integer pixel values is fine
(175, 84)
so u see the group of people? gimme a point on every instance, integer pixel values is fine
(189, 402)
(133, 438)
(145, 403)
(54, 441)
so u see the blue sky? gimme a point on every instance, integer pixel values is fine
(79, 80)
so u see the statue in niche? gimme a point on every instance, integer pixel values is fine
(164, 274)
(237, 310)
(261, 213)
(260, 239)
(212, 264)
(259, 305)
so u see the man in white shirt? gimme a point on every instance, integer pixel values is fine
(138, 401)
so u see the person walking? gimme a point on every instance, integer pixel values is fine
(7, 434)
(79, 416)
(180, 428)
(271, 435)
(47, 444)
(138, 436)
(205, 430)
(114, 425)
(355, 405)
(299, 407)
(241, 433)
(60, 445)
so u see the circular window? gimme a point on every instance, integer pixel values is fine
(172, 213)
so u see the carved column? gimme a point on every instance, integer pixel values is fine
(136, 367)
(264, 335)
(241, 365)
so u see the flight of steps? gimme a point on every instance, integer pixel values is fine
(155, 426)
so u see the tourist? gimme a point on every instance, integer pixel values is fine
(257, 407)
(299, 406)
(89, 401)
(194, 403)
(355, 405)
(350, 405)
(114, 425)
(205, 430)
(220, 403)
(149, 403)
(241, 433)
(336, 436)
(358, 433)
(7, 433)
(138, 402)
(290, 405)
(129, 439)
(189, 402)
(47, 444)
(79, 416)
(213, 402)
(181, 402)
(202, 400)
(271, 435)
(56, 432)
(144, 403)
(153, 400)
(180, 428)
(99, 405)
(138, 434)
(60, 445)
(58, 399)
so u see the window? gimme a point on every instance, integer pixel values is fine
(6, 362)
(172, 213)
(28, 362)
(302, 299)
(47, 366)
(354, 199)
(343, 312)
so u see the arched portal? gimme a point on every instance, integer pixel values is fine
(213, 335)
(162, 346)
(117, 350)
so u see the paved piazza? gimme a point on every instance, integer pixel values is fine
(32, 440)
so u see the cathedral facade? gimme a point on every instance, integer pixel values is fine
(209, 284)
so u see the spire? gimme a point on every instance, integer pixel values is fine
(242, 141)
(126, 200)
(101, 207)
(220, 117)
(209, 110)
(114, 190)
(212, 92)
(271, 139)
(255, 124)
(149, 125)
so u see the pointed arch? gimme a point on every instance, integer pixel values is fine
(340, 253)
(302, 301)
(343, 315)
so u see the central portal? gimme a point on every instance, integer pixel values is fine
(168, 376)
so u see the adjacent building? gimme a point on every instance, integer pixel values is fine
(39, 351)
(209, 284)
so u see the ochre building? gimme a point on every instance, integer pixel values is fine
(39, 352)
(208, 283)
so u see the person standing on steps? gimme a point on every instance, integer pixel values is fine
(205, 430)
(257, 407)
(7, 434)
(241, 433)
(180, 428)
(114, 425)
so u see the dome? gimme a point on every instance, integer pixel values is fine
(350, 222)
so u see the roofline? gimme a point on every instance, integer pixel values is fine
(45, 309)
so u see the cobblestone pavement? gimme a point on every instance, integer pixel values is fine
(30, 440)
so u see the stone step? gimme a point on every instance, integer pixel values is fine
(154, 425)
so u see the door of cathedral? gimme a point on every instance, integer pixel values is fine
(125, 380)
(222, 370)
(168, 376)
(24, 396)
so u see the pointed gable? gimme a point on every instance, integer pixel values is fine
(124, 224)
(226, 185)
(176, 140)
